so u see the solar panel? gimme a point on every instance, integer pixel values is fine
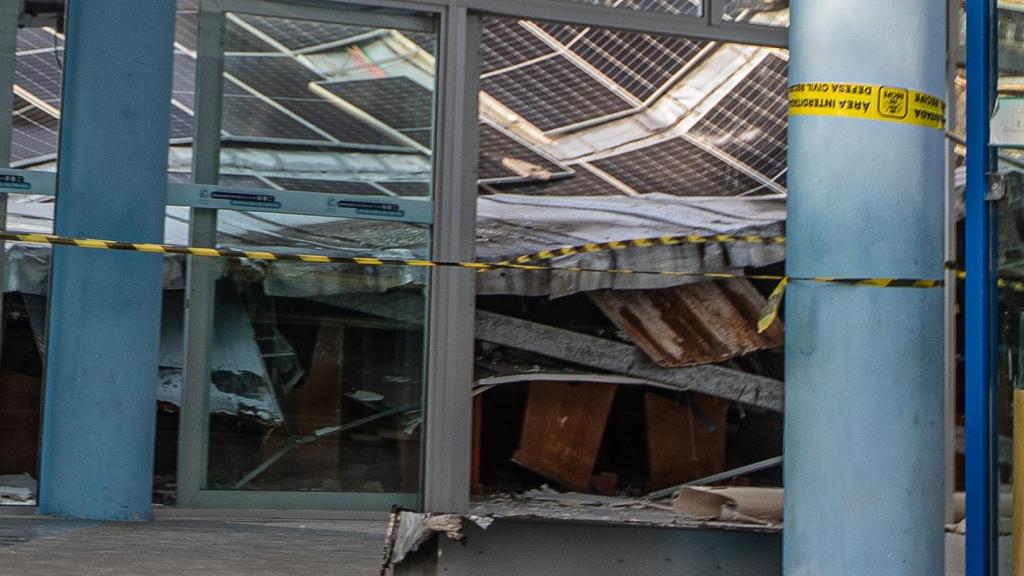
(502, 156)
(300, 34)
(424, 136)
(750, 122)
(564, 33)
(181, 123)
(36, 39)
(673, 7)
(240, 40)
(582, 183)
(399, 102)
(507, 43)
(782, 179)
(328, 186)
(184, 86)
(273, 76)
(248, 116)
(640, 63)
(186, 29)
(40, 74)
(554, 93)
(340, 124)
(34, 133)
(425, 40)
(680, 168)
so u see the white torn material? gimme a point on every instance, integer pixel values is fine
(733, 504)
(18, 490)
(413, 529)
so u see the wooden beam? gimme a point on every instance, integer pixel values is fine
(626, 359)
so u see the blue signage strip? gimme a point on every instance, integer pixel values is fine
(412, 210)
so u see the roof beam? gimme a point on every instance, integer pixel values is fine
(626, 359)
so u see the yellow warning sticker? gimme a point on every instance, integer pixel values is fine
(868, 101)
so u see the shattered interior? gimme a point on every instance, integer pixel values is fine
(612, 384)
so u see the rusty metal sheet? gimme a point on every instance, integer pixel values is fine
(692, 324)
(684, 441)
(562, 431)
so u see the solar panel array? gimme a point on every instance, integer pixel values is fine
(40, 54)
(640, 63)
(673, 7)
(738, 145)
(678, 167)
(403, 104)
(34, 134)
(504, 157)
(554, 93)
(749, 123)
(560, 77)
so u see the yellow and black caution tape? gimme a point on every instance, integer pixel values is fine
(868, 102)
(768, 317)
(671, 240)
(771, 308)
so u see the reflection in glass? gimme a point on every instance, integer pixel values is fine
(761, 12)
(317, 377)
(327, 107)
(317, 370)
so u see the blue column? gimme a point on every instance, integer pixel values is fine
(864, 432)
(104, 322)
(979, 301)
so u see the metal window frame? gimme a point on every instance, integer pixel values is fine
(448, 419)
(9, 14)
(203, 272)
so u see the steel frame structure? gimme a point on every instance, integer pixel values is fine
(446, 450)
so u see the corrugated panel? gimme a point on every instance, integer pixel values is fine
(692, 324)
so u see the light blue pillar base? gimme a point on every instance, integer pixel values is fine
(104, 321)
(864, 439)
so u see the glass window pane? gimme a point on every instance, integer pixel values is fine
(317, 370)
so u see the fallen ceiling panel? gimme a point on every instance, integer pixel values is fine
(692, 324)
(628, 360)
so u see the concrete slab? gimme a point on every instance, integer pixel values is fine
(31, 546)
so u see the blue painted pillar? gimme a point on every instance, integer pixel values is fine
(980, 343)
(864, 432)
(104, 322)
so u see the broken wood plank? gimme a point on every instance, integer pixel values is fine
(562, 431)
(626, 359)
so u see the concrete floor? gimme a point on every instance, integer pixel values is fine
(32, 546)
(253, 546)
